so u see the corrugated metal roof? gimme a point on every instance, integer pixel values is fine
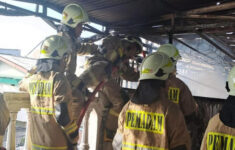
(26, 63)
(153, 18)
(127, 12)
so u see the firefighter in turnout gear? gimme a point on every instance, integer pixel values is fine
(51, 122)
(99, 67)
(114, 52)
(4, 119)
(177, 90)
(149, 120)
(179, 93)
(220, 132)
(73, 18)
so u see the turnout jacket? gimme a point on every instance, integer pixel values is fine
(218, 136)
(159, 126)
(179, 93)
(47, 90)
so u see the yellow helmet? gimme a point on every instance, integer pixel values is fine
(54, 47)
(74, 14)
(231, 81)
(156, 66)
(170, 50)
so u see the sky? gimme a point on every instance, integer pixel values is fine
(23, 33)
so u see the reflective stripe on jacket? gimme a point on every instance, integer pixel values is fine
(47, 90)
(218, 136)
(157, 126)
(40, 147)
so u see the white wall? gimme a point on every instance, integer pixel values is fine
(10, 72)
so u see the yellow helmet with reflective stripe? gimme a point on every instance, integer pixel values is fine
(54, 47)
(74, 14)
(156, 66)
(170, 50)
(231, 81)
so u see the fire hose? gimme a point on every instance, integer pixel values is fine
(90, 99)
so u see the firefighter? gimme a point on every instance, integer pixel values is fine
(114, 54)
(149, 120)
(113, 97)
(73, 19)
(220, 132)
(99, 67)
(51, 123)
(179, 93)
(4, 119)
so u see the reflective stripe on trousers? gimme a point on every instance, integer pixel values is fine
(40, 147)
(131, 146)
(42, 110)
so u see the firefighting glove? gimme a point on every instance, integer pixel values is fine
(124, 96)
(62, 114)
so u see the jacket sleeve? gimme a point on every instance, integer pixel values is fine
(62, 98)
(204, 140)
(23, 84)
(177, 132)
(121, 119)
(187, 103)
(62, 90)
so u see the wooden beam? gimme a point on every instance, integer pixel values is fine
(209, 9)
(219, 30)
(216, 27)
(216, 17)
(205, 37)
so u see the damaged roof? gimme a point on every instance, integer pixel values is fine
(157, 20)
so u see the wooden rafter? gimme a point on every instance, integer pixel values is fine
(214, 8)
(215, 17)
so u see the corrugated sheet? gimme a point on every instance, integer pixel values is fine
(24, 62)
(127, 12)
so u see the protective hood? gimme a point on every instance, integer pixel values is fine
(67, 31)
(148, 91)
(46, 65)
(227, 113)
